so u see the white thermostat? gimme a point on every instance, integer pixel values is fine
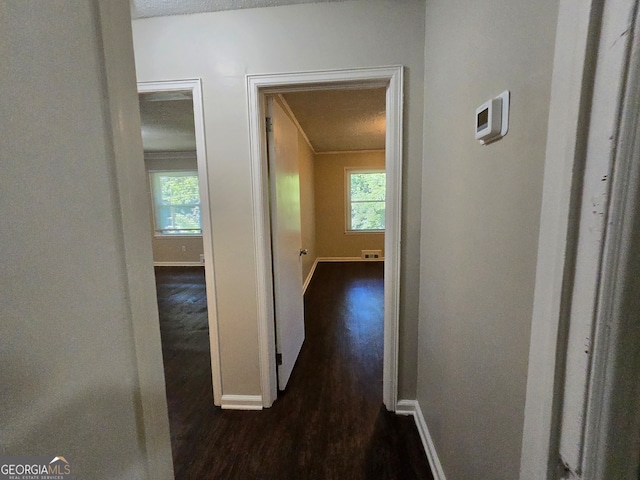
(492, 119)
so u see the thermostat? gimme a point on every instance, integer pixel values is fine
(492, 119)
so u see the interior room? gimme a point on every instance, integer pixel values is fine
(339, 140)
(511, 225)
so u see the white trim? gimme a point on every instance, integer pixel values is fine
(407, 407)
(293, 117)
(165, 236)
(309, 277)
(564, 144)
(599, 169)
(339, 152)
(241, 402)
(171, 155)
(613, 410)
(412, 407)
(178, 264)
(195, 86)
(260, 85)
(392, 239)
(572, 165)
(349, 259)
(364, 232)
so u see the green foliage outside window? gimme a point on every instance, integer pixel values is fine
(367, 200)
(176, 198)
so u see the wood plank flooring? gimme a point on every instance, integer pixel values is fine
(330, 422)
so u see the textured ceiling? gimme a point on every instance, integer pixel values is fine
(341, 120)
(167, 122)
(158, 8)
(332, 120)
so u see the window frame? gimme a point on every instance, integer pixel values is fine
(348, 230)
(158, 233)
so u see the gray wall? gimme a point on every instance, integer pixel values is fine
(221, 48)
(480, 224)
(69, 381)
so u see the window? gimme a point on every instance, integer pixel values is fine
(176, 202)
(365, 200)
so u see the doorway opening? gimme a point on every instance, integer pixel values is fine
(260, 86)
(173, 140)
(327, 184)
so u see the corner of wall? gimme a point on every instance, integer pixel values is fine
(412, 407)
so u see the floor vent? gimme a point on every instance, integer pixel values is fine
(371, 254)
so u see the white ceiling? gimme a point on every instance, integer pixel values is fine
(332, 120)
(158, 8)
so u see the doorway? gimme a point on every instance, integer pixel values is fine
(327, 202)
(182, 227)
(389, 78)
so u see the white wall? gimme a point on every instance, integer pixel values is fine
(70, 383)
(480, 221)
(222, 48)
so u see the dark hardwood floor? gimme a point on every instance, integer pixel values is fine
(330, 422)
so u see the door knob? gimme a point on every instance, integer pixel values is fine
(303, 251)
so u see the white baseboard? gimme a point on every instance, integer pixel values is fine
(349, 259)
(178, 264)
(412, 407)
(406, 407)
(241, 402)
(309, 277)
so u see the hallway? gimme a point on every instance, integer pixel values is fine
(329, 424)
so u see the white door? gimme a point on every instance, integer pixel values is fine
(284, 181)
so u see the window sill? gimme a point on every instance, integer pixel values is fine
(364, 232)
(175, 235)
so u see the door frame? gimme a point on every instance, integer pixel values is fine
(581, 86)
(391, 78)
(195, 87)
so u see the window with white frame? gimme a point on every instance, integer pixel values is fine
(176, 202)
(365, 200)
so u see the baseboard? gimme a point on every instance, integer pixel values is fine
(349, 259)
(241, 402)
(406, 407)
(334, 259)
(309, 277)
(412, 407)
(178, 264)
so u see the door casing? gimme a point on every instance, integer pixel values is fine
(591, 65)
(391, 78)
(195, 87)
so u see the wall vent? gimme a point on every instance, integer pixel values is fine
(371, 254)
